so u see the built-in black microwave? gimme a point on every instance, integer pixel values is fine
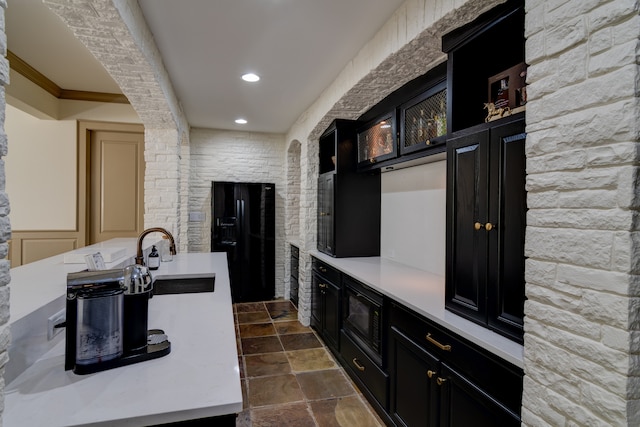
(362, 317)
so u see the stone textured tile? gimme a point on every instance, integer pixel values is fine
(249, 307)
(274, 390)
(324, 384)
(310, 360)
(300, 341)
(293, 415)
(260, 365)
(250, 330)
(291, 327)
(282, 310)
(253, 317)
(344, 411)
(261, 345)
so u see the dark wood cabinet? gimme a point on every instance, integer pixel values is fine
(486, 214)
(424, 120)
(325, 302)
(348, 202)
(377, 140)
(439, 379)
(293, 278)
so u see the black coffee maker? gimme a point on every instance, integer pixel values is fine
(106, 320)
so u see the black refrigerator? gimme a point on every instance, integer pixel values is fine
(243, 226)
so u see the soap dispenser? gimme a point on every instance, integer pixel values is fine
(153, 261)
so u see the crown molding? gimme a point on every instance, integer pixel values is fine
(36, 77)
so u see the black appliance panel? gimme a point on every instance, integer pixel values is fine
(244, 227)
(362, 315)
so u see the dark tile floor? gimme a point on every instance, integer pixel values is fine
(288, 377)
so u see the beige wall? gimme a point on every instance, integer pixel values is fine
(49, 147)
(41, 172)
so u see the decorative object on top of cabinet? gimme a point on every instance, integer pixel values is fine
(424, 120)
(337, 147)
(377, 140)
(507, 93)
(478, 52)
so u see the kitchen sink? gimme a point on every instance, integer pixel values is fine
(183, 285)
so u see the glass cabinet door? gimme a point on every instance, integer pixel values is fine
(424, 120)
(377, 141)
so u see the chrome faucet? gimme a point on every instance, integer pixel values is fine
(172, 243)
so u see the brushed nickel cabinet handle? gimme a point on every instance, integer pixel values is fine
(322, 269)
(445, 347)
(431, 373)
(441, 380)
(358, 365)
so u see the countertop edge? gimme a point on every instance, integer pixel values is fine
(493, 342)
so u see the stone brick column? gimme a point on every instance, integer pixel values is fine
(115, 32)
(583, 245)
(5, 226)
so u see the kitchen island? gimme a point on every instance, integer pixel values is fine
(200, 378)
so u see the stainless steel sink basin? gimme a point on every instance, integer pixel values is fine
(183, 285)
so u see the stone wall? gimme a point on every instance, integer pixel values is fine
(5, 225)
(218, 155)
(582, 318)
(115, 32)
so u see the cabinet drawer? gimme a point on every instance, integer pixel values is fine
(326, 271)
(497, 377)
(359, 364)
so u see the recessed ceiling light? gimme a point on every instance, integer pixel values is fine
(241, 121)
(250, 77)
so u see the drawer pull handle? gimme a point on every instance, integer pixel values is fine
(322, 269)
(431, 373)
(441, 380)
(445, 347)
(358, 365)
(322, 285)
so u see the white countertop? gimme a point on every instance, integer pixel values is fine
(422, 292)
(199, 378)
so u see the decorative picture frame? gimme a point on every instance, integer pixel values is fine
(507, 92)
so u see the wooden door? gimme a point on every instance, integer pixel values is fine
(415, 398)
(507, 211)
(464, 404)
(116, 202)
(467, 216)
(326, 213)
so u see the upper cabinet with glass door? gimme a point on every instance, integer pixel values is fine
(424, 120)
(377, 140)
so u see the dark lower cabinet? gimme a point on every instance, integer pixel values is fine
(325, 303)
(373, 381)
(415, 399)
(464, 404)
(293, 278)
(439, 379)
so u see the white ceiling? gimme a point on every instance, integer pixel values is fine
(297, 46)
